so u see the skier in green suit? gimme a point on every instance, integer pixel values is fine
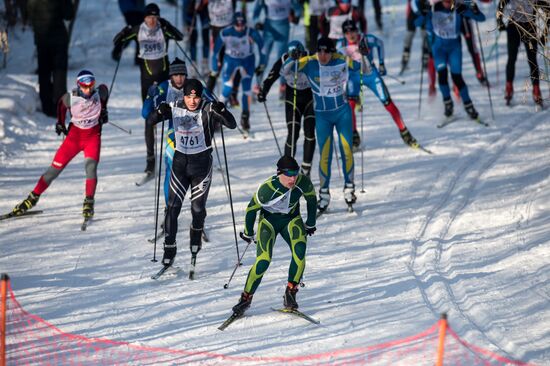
(277, 199)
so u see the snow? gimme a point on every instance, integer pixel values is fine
(462, 231)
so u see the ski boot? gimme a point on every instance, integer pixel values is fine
(405, 61)
(290, 296)
(448, 107)
(324, 199)
(349, 194)
(244, 121)
(88, 207)
(27, 204)
(509, 92)
(537, 97)
(306, 169)
(469, 107)
(356, 141)
(150, 165)
(169, 254)
(243, 304)
(408, 138)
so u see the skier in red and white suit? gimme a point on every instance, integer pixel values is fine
(87, 106)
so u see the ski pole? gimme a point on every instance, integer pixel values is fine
(237, 265)
(485, 71)
(158, 194)
(272, 129)
(129, 132)
(362, 135)
(399, 80)
(293, 143)
(230, 196)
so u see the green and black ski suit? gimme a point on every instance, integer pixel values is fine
(279, 214)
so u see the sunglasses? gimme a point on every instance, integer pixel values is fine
(291, 172)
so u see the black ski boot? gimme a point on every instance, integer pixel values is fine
(448, 107)
(150, 165)
(471, 110)
(324, 199)
(243, 304)
(169, 254)
(27, 204)
(290, 296)
(408, 138)
(88, 207)
(306, 169)
(244, 121)
(405, 61)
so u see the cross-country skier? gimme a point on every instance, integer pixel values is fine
(328, 73)
(152, 36)
(277, 200)
(356, 46)
(193, 12)
(331, 22)
(443, 27)
(313, 10)
(377, 6)
(238, 41)
(276, 27)
(169, 91)
(87, 106)
(193, 119)
(298, 103)
(521, 28)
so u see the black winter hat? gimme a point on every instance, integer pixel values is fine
(177, 67)
(152, 9)
(287, 163)
(192, 86)
(326, 44)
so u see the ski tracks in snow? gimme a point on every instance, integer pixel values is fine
(427, 247)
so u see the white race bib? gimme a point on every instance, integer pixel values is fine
(85, 111)
(152, 45)
(189, 131)
(278, 9)
(333, 80)
(238, 47)
(220, 12)
(336, 22)
(444, 24)
(279, 204)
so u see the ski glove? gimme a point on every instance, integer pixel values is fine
(500, 25)
(259, 70)
(295, 54)
(364, 46)
(259, 26)
(125, 32)
(261, 96)
(218, 107)
(382, 69)
(164, 110)
(104, 116)
(60, 129)
(248, 238)
(310, 230)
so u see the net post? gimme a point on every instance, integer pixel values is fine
(4, 282)
(441, 343)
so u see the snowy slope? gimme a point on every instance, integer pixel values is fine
(463, 231)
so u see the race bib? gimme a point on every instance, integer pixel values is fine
(152, 45)
(336, 22)
(220, 12)
(444, 24)
(85, 111)
(278, 9)
(333, 80)
(279, 204)
(238, 47)
(189, 131)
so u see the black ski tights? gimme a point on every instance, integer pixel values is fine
(303, 109)
(516, 33)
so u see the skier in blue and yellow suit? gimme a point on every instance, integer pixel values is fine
(328, 73)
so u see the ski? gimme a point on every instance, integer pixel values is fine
(85, 223)
(230, 320)
(146, 178)
(420, 147)
(447, 121)
(298, 313)
(24, 214)
(192, 268)
(481, 122)
(163, 270)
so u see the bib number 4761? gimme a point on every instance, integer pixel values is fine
(189, 140)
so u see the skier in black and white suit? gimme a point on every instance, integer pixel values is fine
(194, 120)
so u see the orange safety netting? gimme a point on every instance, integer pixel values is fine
(30, 340)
